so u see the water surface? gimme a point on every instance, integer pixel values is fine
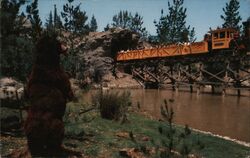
(222, 115)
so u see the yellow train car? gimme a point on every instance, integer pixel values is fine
(219, 39)
(166, 51)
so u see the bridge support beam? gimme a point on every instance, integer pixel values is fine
(190, 80)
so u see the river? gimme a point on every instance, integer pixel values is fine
(222, 115)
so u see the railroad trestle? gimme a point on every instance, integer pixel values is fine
(226, 70)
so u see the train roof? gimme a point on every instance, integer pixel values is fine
(223, 29)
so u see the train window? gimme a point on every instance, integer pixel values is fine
(216, 35)
(228, 34)
(222, 35)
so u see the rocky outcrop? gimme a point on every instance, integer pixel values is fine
(97, 52)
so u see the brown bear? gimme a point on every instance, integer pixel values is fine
(48, 91)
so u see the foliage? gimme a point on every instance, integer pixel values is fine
(231, 17)
(74, 18)
(73, 119)
(171, 28)
(126, 20)
(75, 24)
(33, 16)
(16, 47)
(107, 27)
(93, 24)
(73, 64)
(99, 136)
(168, 113)
(181, 142)
(54, 21)
(49, 22)
(11, 22)
(57, 19)
(113, 105)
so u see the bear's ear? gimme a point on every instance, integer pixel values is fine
(63, 49)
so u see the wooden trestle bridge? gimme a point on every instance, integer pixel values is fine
(224, 69)
(222, 60)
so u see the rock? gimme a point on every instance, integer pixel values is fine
(98, 50)
(122, 135)
(11, 89)
(131, 153)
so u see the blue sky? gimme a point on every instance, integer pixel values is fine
(201, 14)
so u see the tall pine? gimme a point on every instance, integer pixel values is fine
(231, 15)
(93, 24)
(49, 22)
(74, 19)
(171, 28)
(54, 21)
(33, 16)
(57, 19)
(127, 20)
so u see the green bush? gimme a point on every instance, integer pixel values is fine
(112, 105)
(177, 141)
(75, 120)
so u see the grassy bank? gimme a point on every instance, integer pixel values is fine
(140, 136)
(101, 137)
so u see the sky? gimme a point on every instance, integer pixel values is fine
(201, 14)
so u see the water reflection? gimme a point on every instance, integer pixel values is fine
(223, 115)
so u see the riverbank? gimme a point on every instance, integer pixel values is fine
(139, 137)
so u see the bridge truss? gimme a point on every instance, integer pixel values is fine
(223, 69)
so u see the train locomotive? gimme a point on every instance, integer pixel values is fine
(216, 41)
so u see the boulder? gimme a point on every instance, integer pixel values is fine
(11, 89)
(98, 50)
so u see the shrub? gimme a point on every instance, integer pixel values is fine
(180, 143)
(112, 105)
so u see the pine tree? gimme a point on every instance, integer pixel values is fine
(122, 19)
(231, 17)
(75, 23)
(136, 25)
(93, 24)
(126, 20)
(107, 27)
(75, 19)
(33, 16)
(16, 47)
(49, 22)
(53, 22)
(171, 28)
(57, 19)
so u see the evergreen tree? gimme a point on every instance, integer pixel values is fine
(74, 18)
(136, 25)
(57, 19)
(33, 16)
(122, 19)
(11, 23)
(74, 22)
(107, 27)
(231, 17)
(93, 24)
(16, 47)
(54, 21)
(49, 22)
(171, 28)
(126, 20)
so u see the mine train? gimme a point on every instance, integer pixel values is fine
(216, 41)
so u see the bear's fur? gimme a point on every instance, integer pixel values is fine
(48, 91)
